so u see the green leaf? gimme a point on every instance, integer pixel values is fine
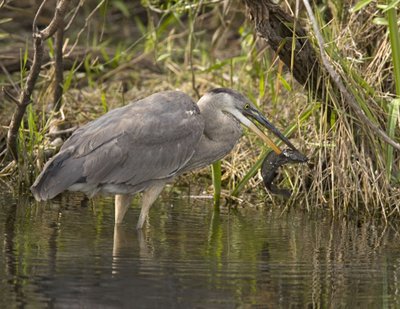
(261, 85)
(51, 47)
(391, 130)
(5, 20)
(25, 60)
(139, 24)
(69, 77)
(394, 106)
(216, 66)
(380, 21)
(120, 5)
(394, 37)
(391, 5)
(360, 5)
(104, 102)
(163, 57)
(284, 83)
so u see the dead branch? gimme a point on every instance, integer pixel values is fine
(25, 97)
(58, 66)
(289, 40)
(57, 20)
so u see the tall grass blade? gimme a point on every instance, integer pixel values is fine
(394, 106)
(216, 179)
(391, 128)
(391, 5)
(68, 79)
(360, 4)
(395, 45)
(104, 102)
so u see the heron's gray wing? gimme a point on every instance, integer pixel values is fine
(150, 139)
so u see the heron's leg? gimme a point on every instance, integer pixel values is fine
(122, 202)
(149, 196)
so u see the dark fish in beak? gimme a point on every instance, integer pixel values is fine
(271, 164)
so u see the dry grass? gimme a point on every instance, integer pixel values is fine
(347, 170)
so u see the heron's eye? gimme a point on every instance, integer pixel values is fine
(247, 106)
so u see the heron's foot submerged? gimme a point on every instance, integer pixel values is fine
(271, 164)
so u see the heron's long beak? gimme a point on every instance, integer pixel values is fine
(255, 114)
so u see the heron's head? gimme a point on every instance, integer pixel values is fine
(245, 112)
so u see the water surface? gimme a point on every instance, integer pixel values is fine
(66, 254)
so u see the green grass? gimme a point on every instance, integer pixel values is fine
(393, 118)
(171, 49)
(216, 179)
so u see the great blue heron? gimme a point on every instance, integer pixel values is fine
(143, 145)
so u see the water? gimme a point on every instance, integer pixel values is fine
(66, 254)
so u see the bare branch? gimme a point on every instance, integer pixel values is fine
(59, 67)
(25, 97)
(26, 93)
(61, 9)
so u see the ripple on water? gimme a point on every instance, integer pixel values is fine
(68, 254)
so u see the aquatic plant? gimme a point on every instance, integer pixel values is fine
(117, 51)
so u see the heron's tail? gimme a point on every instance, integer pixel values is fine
(59, 173)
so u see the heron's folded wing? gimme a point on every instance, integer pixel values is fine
(150, 139)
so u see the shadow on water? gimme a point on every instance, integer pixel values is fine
(68, 254)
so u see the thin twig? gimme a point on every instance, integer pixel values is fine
(58, 66)
(84, 26)
(7, 74)
(10, 96)
(339, 83)
(62, 132)
(34, 27)
(191, 38)
(81, 2)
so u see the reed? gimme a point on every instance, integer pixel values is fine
(167, 46)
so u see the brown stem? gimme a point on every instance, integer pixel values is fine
(59, 67)
(26, 93)
(25, 97)
(58, 19)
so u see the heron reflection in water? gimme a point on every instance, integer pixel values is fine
(142, 146)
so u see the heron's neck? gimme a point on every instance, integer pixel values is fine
(219, 126)
(220, 135)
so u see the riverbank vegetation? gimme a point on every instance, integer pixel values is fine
(342, 111)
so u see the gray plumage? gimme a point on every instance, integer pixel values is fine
(143, 145)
